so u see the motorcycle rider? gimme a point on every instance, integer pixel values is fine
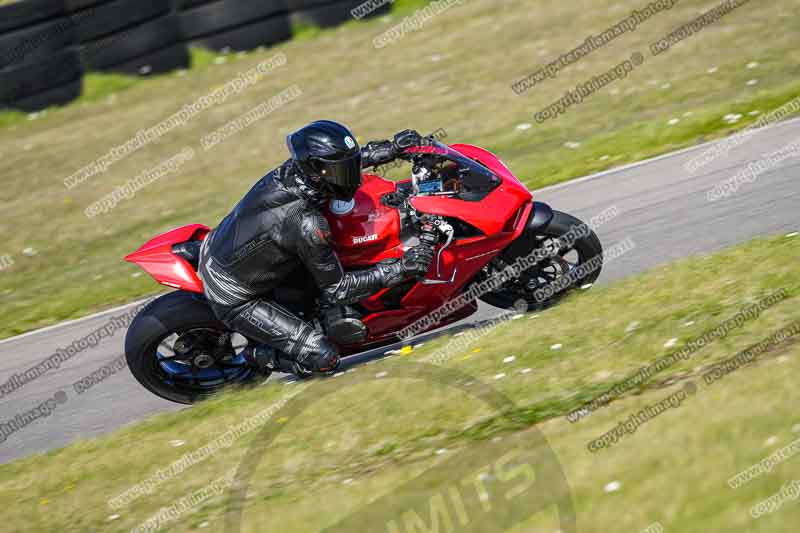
(278, 227)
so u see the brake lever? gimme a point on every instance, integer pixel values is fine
(447, 229)
(444, 228)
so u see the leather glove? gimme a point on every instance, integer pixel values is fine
(417, 260)
(393, 199)
(377, 153)
(407, 138)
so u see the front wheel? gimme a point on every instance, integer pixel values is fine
(178, 350)
(567, 254)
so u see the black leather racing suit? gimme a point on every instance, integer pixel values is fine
(276, 228)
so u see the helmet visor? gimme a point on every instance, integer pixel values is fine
(343, 177)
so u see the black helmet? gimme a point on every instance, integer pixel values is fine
(328, 152)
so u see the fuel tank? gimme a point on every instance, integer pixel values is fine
(365, 231)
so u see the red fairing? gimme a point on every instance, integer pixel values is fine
(365, 231)
(156, 258)
(501, 216)
(461, 261)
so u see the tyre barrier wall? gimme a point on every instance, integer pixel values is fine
(234, 24)
(46, 46)
(39, 63)
(129, 36)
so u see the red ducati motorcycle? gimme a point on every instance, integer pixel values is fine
(460, 198)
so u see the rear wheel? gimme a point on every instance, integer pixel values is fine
(177, 349)
(570, 255)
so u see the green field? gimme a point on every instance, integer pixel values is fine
(455, 73)
(343, 443)
(334, 455)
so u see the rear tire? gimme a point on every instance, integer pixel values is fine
(540, 286)
(175, 313)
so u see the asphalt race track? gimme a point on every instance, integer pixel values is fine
(662, 208)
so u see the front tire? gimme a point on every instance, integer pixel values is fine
(178, 350)
(573, 258)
